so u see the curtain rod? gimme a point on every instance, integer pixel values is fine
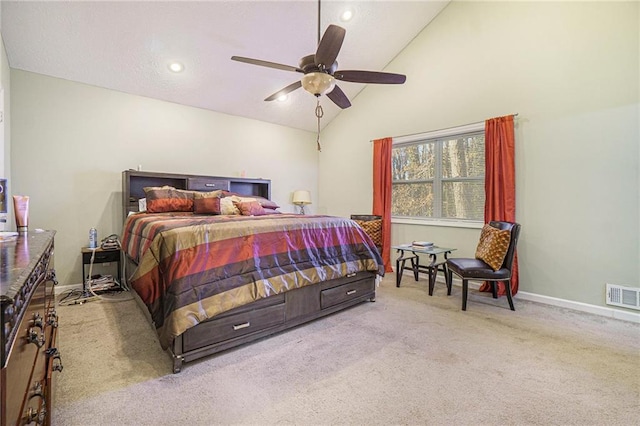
(463, 125)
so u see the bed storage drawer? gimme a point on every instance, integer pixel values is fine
(232, 326)
(346, 292)
(208, 184)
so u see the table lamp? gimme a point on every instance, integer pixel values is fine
(301, 198)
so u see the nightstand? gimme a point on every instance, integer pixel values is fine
(101, 256)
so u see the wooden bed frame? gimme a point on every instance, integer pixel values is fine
(258, 319)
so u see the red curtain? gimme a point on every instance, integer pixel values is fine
(382, 194)
(500, 182)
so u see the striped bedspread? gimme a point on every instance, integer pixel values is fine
(191, 267)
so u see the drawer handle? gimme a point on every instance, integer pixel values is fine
(241, 326)
(37, 321)
(353, 274)
(210, 185)
(36, 416)
(51, 276)
(37, 391)
(32, 337)
(32, 415)
(57, 360)
(350, 292)
(52, 318)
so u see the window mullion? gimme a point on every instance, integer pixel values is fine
(437, 181)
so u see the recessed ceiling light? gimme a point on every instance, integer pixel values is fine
(176, 67)
(346, 15)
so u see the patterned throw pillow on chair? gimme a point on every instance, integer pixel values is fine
(493, 246)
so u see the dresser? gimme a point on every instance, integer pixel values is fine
(28, 354)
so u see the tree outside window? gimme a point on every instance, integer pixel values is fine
(441, 178)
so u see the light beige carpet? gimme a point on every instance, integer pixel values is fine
(406, 359)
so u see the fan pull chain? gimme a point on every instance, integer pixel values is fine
(319, 114)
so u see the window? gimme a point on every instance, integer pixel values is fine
(439, 175)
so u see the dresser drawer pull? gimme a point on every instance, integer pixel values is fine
(353, 274)
(51, 276)
(210, 185)
(37, 390)
(241, 326)
(350, 292)
(52, 318)
(57, 360)
(36, 416)
(37, 321)
(32, 337)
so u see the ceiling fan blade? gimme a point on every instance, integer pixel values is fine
(288, 89)
(357, 76)
(339, 98)
(266, 64)
(329, 46)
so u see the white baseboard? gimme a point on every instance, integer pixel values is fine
(579, 306)
(554, 301)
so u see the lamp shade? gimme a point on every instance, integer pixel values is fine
(301, 197)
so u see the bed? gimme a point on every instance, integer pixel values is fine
(209, 282)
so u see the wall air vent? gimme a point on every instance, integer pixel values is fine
(627, 297)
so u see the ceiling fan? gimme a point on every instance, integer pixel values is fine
(321, 69)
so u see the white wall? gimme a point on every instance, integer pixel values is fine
(5, 133)
(571, 70)
(72, 141)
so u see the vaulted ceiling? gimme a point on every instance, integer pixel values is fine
(128, 46)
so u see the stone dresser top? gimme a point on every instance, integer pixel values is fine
(18, 258)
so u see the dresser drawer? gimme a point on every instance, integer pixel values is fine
(232, 326)
(208, 184)
(24, 356)
(346, 292)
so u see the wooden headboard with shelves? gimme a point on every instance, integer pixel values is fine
(134, 182)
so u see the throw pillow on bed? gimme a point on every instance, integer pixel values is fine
(168, 199)
(267, 204)
(264, 202)
(493, 246)
(271, 211)
(228, 207)
(250, 208)
(207, 202)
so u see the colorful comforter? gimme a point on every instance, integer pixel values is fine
(191, 267)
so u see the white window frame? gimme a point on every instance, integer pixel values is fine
(437, 134)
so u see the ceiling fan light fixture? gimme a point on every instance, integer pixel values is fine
(176, 67)
(318, 83)
(346, 15)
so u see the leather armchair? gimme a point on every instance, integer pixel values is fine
(475, 269)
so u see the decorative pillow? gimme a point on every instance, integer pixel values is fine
(264, 202)
(271, 211)
(373, 228)
(241, 199)
(493, 246)
(207, 202)
(228, 207)
(267, 204)
(168, 199)
(250, 208)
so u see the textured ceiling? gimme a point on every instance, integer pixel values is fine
(127, 46)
